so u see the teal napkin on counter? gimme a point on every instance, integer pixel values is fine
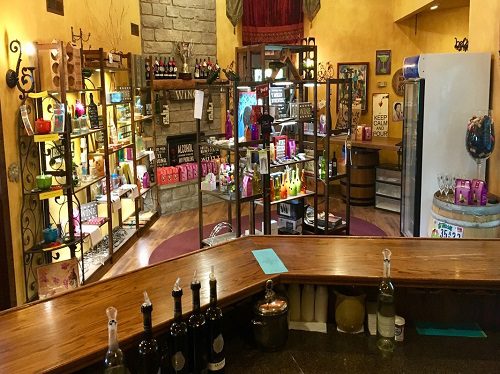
(469, 330)
(269, 261)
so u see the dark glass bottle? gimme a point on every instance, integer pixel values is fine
(216, 357)
(148, 71)
(156, 68)
(334, 165)
(93, 113)
(149, 354)
(197, 333)
(196, 70)
(114, 362)
(178, 334)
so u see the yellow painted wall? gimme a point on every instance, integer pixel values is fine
(404, 8)
(351, 31)
(29, 21)
(484, 25)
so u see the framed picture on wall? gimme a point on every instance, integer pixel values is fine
(380, 117)
(55, 6)
(383, 62)
(358, 71)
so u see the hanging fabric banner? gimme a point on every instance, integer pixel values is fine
(234, 11)
(311, 8)
(268, 22)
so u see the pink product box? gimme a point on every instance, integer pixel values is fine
(175, 174)
(479, 192)
(463, 193)
(130, 154)
(367, 133)
(204, 168)
(189, 168)
(183, 173)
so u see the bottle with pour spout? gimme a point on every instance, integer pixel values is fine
(386, 313)
(114, 362)
(149, 353)
(178, 334)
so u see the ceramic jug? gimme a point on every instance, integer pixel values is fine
(350, 310)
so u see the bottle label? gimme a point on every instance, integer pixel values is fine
(214, 366)
(385, 326)
(178, 361)
(218, 344)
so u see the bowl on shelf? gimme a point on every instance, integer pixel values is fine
(42, 126)
(44, 182)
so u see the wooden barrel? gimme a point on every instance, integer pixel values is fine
(466, 221)
(363, 170)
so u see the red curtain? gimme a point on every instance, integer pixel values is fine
(272, 21)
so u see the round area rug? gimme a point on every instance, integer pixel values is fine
(187, 242)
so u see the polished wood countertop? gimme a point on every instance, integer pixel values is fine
(69, 332)
(379, 143)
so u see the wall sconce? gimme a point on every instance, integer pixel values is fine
(26, 82)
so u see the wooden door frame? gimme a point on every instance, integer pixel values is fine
(7, 275)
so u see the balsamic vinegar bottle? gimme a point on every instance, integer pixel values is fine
(149, 354)
(216, 358)
(178, 334)
(114, 362)
(197, 333)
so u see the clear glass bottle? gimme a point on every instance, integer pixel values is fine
(114, 362)
(197, 333)
(178, 334)
(216, 356)
(149, 353)
(386, 312)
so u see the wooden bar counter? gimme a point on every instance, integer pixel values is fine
(69, 332)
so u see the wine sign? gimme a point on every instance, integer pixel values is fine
(181, 95)
(380, 114)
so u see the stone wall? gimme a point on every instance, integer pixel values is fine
(163, 24)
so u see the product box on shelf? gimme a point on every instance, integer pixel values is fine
(463, 195)
(293, 210)
(479, 192)
(301, 110)
(290, 224)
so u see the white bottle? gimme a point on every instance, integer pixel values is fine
(321, 304)
(307, 303)
(294, 301)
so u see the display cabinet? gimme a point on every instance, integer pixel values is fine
(388, 187)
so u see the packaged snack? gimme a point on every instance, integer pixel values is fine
(479, 192)
(463, 194)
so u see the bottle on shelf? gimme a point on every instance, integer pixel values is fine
(271, 193)
(113, 361)
(283, 191)
(178, 334)
(386, 312)
(291, 184)
(303, 183)
(322, 172)
(216, 357)
(277, 188)
(93, 113)
(161, 69)
(229, 126)
(149, 353)
(217, 67)
(148, 70)
(204, 69)
(298, 183)
(197, 70)
(170, 68)
(334, 165)
(197, 333)
(156, 68)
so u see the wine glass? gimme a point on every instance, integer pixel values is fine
(447, 184)
(480, 138)
(440, 179)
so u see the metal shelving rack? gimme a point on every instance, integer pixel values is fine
(233, 152)
(255, 57)
(49, 154)
(343, 227)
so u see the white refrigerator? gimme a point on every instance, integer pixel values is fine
(442, 92)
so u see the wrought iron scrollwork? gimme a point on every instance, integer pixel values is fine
(25, 82)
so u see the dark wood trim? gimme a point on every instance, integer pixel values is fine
(7, 276)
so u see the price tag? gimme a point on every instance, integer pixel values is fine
(46, 138)
(50, 194)
(262, 91)
(446, 230)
